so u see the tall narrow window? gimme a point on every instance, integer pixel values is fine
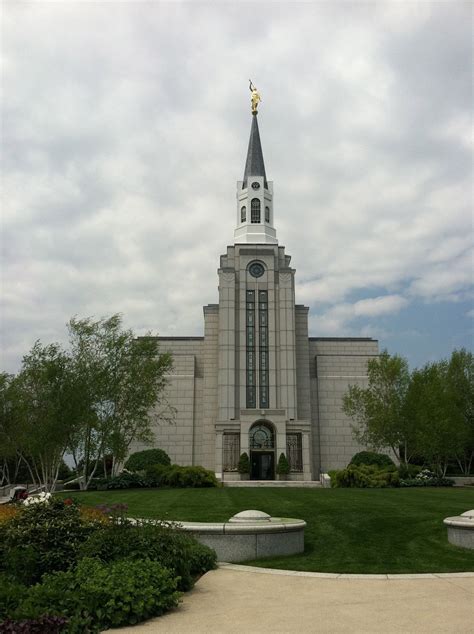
(251, 372)
(243, 214)
(255, 210)
(231, 451)
(294, 452)
(263, 348)
(267, 214)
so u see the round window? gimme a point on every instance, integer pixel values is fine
(256, 269)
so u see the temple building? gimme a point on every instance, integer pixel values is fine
(256, 382)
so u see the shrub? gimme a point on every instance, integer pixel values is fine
(244, 463)
(162, 543)
(156, 475)
(372, 458)
(126, 481)
(97, 596)
(43, 625)
(365, 476)
(180, 477)
(43, 538)
(407, 471)
(142, 460)
(283, 467)
(426, 478)
(11, 594)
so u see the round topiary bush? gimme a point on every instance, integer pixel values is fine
(142, 460)
(372, 458)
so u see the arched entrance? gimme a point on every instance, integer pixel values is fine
(262, 451)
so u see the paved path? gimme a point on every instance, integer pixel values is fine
(243, 600)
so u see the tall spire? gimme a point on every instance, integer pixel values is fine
(254, 165)
(255, 194)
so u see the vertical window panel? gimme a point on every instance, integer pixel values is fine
(264, 397)
(294, 451)
(251, 397)
(231, 451)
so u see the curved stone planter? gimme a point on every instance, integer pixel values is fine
(250, 535)
(461, 529)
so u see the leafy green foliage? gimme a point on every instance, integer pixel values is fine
(244, 463)
(121, 379)
(125, 481)
(142, 460)
(42, 625)
(43, 538)
(379, 410)
(283, 467)
(370, 457)
(427, 416)
(365, 476)
(35, 414)
(441, 403)
(162, 543)
(426, 478)
(11, 594)
(97, 596)
(180, 477)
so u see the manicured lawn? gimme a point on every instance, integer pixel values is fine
(349, 530)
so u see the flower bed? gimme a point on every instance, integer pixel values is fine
(70, 568)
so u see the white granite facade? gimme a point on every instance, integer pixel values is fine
(257, 382)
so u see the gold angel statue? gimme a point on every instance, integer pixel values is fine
(255, 97)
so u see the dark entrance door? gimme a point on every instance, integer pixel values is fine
(262, 465)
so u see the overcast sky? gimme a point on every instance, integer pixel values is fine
(125, 128)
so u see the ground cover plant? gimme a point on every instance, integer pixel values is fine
(73, 568)
(348, 530)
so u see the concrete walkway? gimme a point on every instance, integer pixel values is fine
(240, 599)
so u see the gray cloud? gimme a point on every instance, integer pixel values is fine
(125, 127)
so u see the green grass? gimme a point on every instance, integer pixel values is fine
(349, 530)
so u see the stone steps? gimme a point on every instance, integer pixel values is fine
(273, 483)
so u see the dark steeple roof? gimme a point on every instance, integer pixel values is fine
(254, 166)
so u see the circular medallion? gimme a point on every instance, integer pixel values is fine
(256, 269)
(255, 185)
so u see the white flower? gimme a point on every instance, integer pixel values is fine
(41, 498)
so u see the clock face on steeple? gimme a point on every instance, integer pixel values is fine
(255, 185)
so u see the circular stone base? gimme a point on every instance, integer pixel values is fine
(461, 529)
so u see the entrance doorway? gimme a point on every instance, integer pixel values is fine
(262, 451)
(262, 465)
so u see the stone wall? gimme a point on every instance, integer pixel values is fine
(181, 439)
(334, 365)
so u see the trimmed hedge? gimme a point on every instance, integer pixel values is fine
(180, 477)
(372, 458)
(365, 476)
(142, 460)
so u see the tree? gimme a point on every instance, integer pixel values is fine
(460, 378)
(378, 411)
(440, 402)
(34, 421)
(8, 453)
(119, 380)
